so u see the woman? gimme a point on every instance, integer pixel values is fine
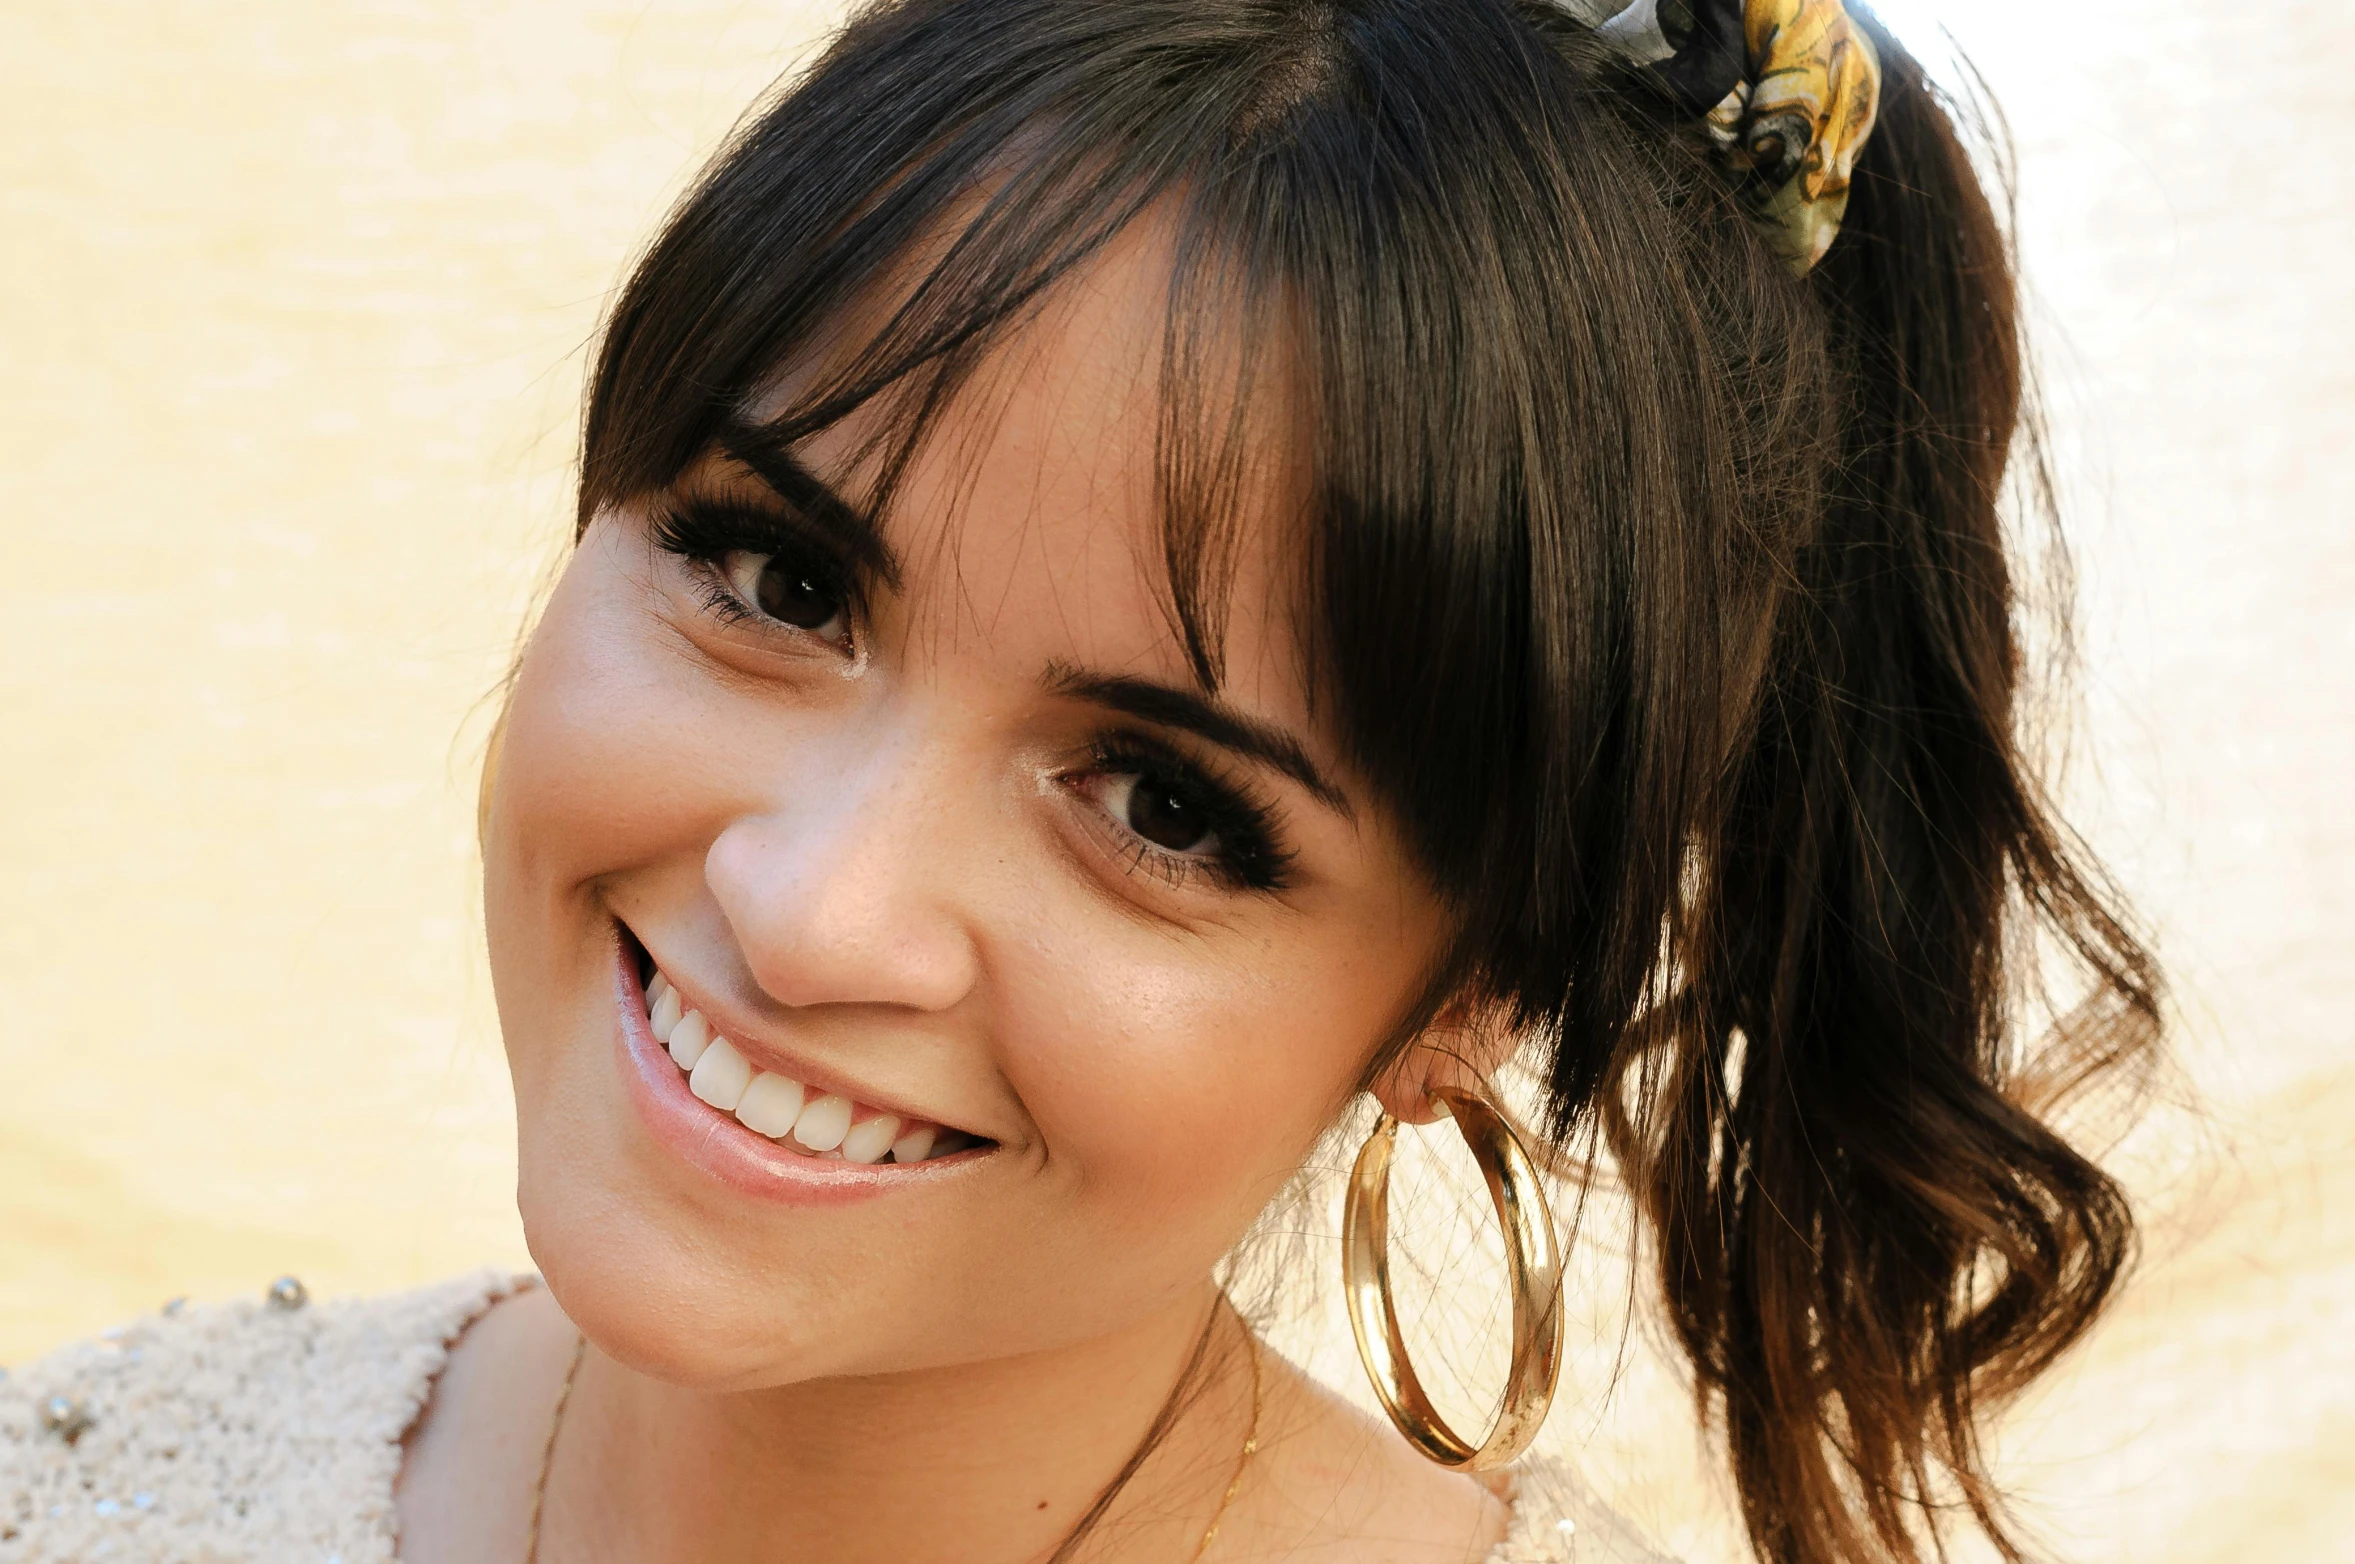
(1147, 568)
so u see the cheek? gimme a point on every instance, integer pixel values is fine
(602, 773)
(624, 754)
(591, 765)
(1185, 1087)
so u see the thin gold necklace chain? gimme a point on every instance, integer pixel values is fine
(572, 1371)
(580, 1350)
(1250, 1448)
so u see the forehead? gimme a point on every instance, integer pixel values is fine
(1040, 506)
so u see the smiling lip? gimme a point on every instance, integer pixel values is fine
(725, 1149)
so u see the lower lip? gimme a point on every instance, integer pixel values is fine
(705, 1138)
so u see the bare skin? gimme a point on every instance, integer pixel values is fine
(931, 850)
(645, 1474)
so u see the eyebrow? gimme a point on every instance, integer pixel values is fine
(848, 528)
(1205, 717)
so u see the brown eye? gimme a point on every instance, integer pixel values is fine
(1182, 823)
(1161, 812)
(788, 591)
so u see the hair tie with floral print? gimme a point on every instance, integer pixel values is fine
(1788, 90)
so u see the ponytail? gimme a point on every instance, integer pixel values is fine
(1864, 1232)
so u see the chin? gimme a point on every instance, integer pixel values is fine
(654, 1300)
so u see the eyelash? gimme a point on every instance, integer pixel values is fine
(1249, 856)
(705, 532)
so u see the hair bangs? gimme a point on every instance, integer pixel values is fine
(1322, 234)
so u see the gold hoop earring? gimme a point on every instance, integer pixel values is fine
(1533, 1261)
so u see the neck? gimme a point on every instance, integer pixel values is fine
(991, 1462)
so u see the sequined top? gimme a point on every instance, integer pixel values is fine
(272, 1431)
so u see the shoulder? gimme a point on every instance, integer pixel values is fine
(1349, 1486)
(1558, 1519)
(206, 1429)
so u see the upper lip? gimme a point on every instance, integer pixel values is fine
(766, 1056)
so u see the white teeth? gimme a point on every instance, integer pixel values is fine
(770, 1105)
(689, 1039)
(665, 1014)
(823, 1123)
(869, 1139)
(720, 1076)
(776, 1106)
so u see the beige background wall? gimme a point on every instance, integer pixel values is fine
(289, 339)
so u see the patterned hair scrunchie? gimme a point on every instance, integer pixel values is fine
(1787, 90)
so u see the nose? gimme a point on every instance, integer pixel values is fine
(843, 893)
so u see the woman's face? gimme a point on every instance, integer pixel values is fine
(957, 841)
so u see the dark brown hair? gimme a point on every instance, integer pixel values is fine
(1662, 595)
